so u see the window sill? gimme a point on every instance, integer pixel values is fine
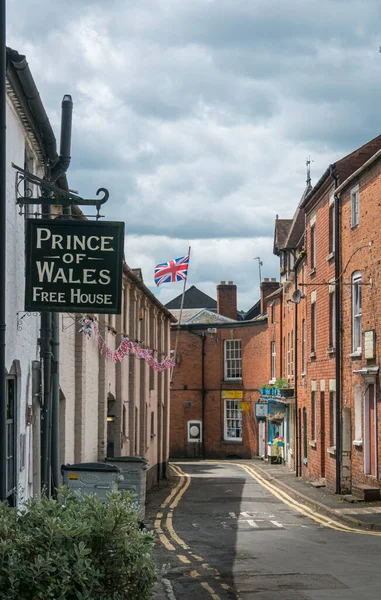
(232, 379)
(357, 354)
(236, 442)
(312, 354)
(331, 350)
(354, 226)
(312, 272)
(331, 450)
(312, 443)
(330, 256)
(357, 443)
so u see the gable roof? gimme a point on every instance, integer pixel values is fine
(193, 298)
(298, 222)
(203, 315)
(343, 168)
(282, 229)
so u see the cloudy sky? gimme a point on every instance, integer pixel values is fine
(198, 115)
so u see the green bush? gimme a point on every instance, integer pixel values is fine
(72, 549)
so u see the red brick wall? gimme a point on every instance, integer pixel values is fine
(357, 255)
(321, 367)
(186, 386)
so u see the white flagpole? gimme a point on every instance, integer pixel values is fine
(181, 313)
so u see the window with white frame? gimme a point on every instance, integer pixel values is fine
(332, 402)
(332, 318)
(313, 415)
(355, 206)
(358, 414)
(313, 246)
(331, 233)
(292, 353)
(232, 421)
(273, 360)
(313, 323)
(233, 359)
(356, 312)
(304, 347)
(288, 354)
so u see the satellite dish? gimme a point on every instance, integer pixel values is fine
(297, 296)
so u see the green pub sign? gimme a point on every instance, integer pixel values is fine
(74, 266)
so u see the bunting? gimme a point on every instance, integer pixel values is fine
(126, 347)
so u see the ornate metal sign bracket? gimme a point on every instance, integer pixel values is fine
(51, 194)
(72, 321)
(22, 315)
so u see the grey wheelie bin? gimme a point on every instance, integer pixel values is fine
(134, 471)
(92, 478)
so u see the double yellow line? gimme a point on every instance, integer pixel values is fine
(301, 508)
(170, 538)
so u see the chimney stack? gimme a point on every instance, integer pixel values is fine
(227, 299)
(268, 286)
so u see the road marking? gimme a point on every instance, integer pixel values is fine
(277, 524)
(292, 503)
(245, 515)
(170, 503)
(251, 523)
(183, 559)
(232, 515)
(175, 489)
(211, 591)
(173, 533)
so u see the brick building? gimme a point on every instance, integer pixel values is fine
(359, 199)
(216, 383)
(112, 408)
(324, 255)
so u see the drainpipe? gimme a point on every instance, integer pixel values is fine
(3, 402)
(338, 334)
(50, 460)
(36, 415)
(297, 441)
(58, 170)
(203, 338)
(55, 430)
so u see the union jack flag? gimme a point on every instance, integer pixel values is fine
(173, 270)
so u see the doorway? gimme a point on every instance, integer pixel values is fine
(370, 439)
(322, 434)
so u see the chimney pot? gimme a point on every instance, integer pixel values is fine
(230, 283)
(266, 279)
(223, 282)
(273, 279)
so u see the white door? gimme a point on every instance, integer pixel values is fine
(261, 437)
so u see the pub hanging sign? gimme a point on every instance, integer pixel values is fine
(74, 266)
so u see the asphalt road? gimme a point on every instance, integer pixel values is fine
(225, 532)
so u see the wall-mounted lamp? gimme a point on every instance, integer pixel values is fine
(296, 297)
(110, 418)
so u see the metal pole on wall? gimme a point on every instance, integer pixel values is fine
(3, 398)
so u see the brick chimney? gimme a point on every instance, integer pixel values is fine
(227, 299)
(268, 286)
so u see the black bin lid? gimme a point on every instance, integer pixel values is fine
(91, 466)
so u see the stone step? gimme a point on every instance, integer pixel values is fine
(366, 493)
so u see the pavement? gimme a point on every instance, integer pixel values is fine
(361, 514)
(248, 530)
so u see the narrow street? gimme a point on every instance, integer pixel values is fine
(225, 532)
